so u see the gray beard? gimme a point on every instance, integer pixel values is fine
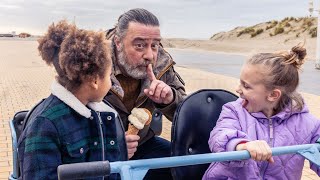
(137, 71)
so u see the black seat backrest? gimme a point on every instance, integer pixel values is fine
(17, 125)
(18, 122)
(193, 121)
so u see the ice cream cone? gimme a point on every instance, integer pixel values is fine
(132, 130)
(138, 118)
(150, 116)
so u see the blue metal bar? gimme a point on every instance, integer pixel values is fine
(14, 174)
(137, 169)
(202, 158)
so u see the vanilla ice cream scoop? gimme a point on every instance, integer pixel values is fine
(138, 118)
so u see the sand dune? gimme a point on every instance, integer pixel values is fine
(263, 37)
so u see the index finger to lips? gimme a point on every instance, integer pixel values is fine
(150, 73)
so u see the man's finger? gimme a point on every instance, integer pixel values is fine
(166, 90)
(150, 73)
(153, 87)
(132, 144)
(131, 138)
(158, 90)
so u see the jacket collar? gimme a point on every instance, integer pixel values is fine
(73, 102)
(163, 63)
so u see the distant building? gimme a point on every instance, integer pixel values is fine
(6, 35)
(24, 35)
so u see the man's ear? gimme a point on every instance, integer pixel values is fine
(117, 41)
(275, 95)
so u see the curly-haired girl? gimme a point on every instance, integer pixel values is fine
(73, 124)
(269, 113)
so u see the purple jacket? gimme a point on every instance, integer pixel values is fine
(236, 124)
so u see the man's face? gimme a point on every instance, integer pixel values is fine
(137, 49)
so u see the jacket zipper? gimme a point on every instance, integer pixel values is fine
(270, 143)
(101, 136)
(271, 132)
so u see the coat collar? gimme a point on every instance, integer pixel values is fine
(73, 102)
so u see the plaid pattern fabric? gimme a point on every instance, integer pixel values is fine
(59, 135)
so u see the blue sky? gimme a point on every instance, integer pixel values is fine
(194, 19)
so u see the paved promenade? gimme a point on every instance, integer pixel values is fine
(25, 79)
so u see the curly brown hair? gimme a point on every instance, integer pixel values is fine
(77, 55)
(283, 72)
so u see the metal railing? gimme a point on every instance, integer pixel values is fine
(137, 169)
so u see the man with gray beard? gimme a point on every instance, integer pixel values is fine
(143, 76)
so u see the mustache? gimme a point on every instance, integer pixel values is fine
(145, 63)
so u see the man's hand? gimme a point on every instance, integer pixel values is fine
(158, 91)
(132, 144)
(259, 150)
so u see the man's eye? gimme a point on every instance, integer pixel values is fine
(154, 46)
(139, 45)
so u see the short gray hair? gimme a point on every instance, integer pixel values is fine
(138, 15)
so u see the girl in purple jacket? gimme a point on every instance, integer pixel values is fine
(269, 113)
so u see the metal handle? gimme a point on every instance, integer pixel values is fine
(83, 170)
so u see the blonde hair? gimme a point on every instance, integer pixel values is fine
(77, 55)
(282, 71)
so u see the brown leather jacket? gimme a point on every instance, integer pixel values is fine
(164, 71)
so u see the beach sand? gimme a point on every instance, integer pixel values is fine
(25, 79)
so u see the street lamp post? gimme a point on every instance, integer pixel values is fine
(311, 9)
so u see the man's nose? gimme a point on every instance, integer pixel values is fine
(148, 54)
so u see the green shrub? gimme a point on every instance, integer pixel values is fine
(285, 19)
(255, 33)
(313, 32)
(246, 31)
(273, 24)
(292, 19)
(278, 30)
(286, 24)
(307, 22)
(298, 34)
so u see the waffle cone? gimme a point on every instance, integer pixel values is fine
(132, 130)
(150, 116)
